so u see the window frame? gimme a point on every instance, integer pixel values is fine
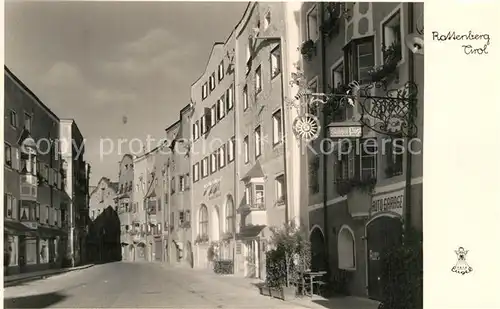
(308, 28)
(213, 115)
(13, 116)
(258, 80)
(383, 24)
(281, 186)
(8, 150)
(277, 127)
(211, 82)
(245, 97)
(351, 53)
(267, 20)
(204, 91)
(203, 221)
(204, 167)
(213, 162)
(230, 98)
(221, 108)
(277, 70)
(230, 216)
(231, 149)
(246, 150)
(29, 117)
(354, 255)
(258, 141)
(222, 156)
(263, 190)
(220, 71)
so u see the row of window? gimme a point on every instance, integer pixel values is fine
(363, 164)
(359, 54)
(215, 161)
(25, 211)
(14, 122)
(230, 220)
(275, 67)
(211, 84)
(213, 115)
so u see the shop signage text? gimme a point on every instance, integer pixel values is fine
(392, 202)
(351, 131)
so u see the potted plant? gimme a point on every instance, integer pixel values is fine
(391, 55)
(307, 49)
(285, 263)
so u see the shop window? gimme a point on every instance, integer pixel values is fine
(346, 249)
(359, 60)
(245, 98)
(12, 249)
(31, 251)
(312, 24)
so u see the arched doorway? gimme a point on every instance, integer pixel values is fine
(215, 224)
(318, 256)
(141, 252)
(382, 233)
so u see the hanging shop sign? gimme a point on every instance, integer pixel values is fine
(388, 202)
(212, 189)
(354, 131)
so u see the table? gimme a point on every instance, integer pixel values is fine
(311, 275)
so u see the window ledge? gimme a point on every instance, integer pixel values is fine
(348, 268)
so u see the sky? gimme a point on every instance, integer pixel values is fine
(121, 70)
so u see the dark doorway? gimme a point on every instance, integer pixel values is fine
(381, 234)
(318, 258)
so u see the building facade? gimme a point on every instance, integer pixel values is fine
(178, 168)
(101, 197)
(34, 182)
(124, 205)
(72, 152)
(358, 198)
(212, 155)
(140, 240)
(268, 151)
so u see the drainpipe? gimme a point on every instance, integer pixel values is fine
(325, 158)
(283, 125)
(411, 78)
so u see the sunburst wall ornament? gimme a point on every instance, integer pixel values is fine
(306, 127)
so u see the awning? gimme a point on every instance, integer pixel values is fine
(250, 231)
(17, 228)
(254, 172)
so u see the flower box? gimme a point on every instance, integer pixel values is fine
(308, 49)
(284, 293)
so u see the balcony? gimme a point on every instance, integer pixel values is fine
(29, 187)
(254, 214)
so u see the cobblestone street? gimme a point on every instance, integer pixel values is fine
(134, 285)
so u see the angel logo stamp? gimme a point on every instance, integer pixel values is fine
(461, 267)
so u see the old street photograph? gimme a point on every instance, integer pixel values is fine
(213, 154)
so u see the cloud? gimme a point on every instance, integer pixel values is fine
(68, 84)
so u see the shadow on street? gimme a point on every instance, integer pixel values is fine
(34, 301)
